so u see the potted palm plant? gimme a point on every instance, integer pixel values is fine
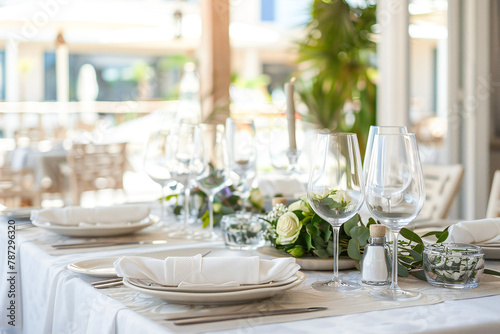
(336, 80)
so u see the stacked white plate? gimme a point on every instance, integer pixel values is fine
(215, 295)
(98, 230)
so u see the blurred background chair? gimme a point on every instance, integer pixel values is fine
(441, 186)
(493, 209)
(95, 167)
(16, 187)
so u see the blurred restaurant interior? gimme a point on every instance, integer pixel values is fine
(114, 72)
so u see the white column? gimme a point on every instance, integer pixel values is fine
(393, 56)
(11, 71)
(62, 73)
(474, 114)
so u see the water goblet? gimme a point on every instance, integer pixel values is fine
(336, 192)
(395, 195)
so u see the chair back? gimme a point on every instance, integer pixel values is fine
(96, 167)
(441, 186)
(493, 210)
(16, 187)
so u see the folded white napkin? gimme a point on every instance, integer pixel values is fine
(289, 186)
(483, 231)
(74, 215)
(196, 270)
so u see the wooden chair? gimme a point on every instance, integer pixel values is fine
(94, 167)
(493, 209)
(441, 186)
(16, 187)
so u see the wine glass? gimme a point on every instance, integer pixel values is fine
(395, 195)
(242, 156)
(181, 154)
(378, 130)
(335, 192)
(213, 173)
(155, 165)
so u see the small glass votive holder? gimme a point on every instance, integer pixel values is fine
(243, 231)
(453, 265)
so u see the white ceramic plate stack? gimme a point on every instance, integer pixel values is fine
(219, 295)
(98, 230)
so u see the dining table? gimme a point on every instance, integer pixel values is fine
(40, 294)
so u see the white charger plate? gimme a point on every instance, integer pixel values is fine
(99, 230)
(146, 284)
(309, 262)
(217, 298)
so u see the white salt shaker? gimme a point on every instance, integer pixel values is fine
(376, 265)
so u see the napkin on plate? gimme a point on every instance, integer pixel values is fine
(75, 215)
(483, 231)
(196, 270)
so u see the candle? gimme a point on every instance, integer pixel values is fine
(290, 114)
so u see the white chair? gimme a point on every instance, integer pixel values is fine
(96, 167)
(493, 209)
(441, 186)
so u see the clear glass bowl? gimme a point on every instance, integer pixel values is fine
(243, 231)
(453, 265)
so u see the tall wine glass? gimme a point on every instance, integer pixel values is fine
(242, 156)
(181, 153)
(213, 174)
(336, 192)
(395, 195)
(378, 130)
(155, 165)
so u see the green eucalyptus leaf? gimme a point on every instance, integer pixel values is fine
(328, 201)
(329, 248)
(348, 225)
(308, 241)
(353, 249)
(420, 274)
(316, 219)
(411, 236)
(371, 221)
(296, 251)
(360, 233)
(443, 237)
(312, 230)
(319, 242)
(402, 271)
(321, 253)
(491, 272)
(328, 233)
(299, 214)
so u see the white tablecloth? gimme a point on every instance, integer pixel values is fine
(56, 300)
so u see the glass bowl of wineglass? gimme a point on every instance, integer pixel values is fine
(336, 192)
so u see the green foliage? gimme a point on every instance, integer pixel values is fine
(337, 79)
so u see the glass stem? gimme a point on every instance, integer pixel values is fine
(211, 214)
(187, 193)
(394, 281)
(163, 203)
(336, 232)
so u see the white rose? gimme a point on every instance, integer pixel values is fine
(341, 195)
(288, 228)
(298, 205)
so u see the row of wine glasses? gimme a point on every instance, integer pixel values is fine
(394, 191)
(210, 156)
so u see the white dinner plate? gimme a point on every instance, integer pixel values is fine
(18, 213)
(217, 298)
(309, 262)
(147, 284)
(103, 267)
(99, 230)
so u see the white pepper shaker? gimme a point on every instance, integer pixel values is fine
(376, 264)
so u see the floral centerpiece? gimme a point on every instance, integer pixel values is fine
(299, 231)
